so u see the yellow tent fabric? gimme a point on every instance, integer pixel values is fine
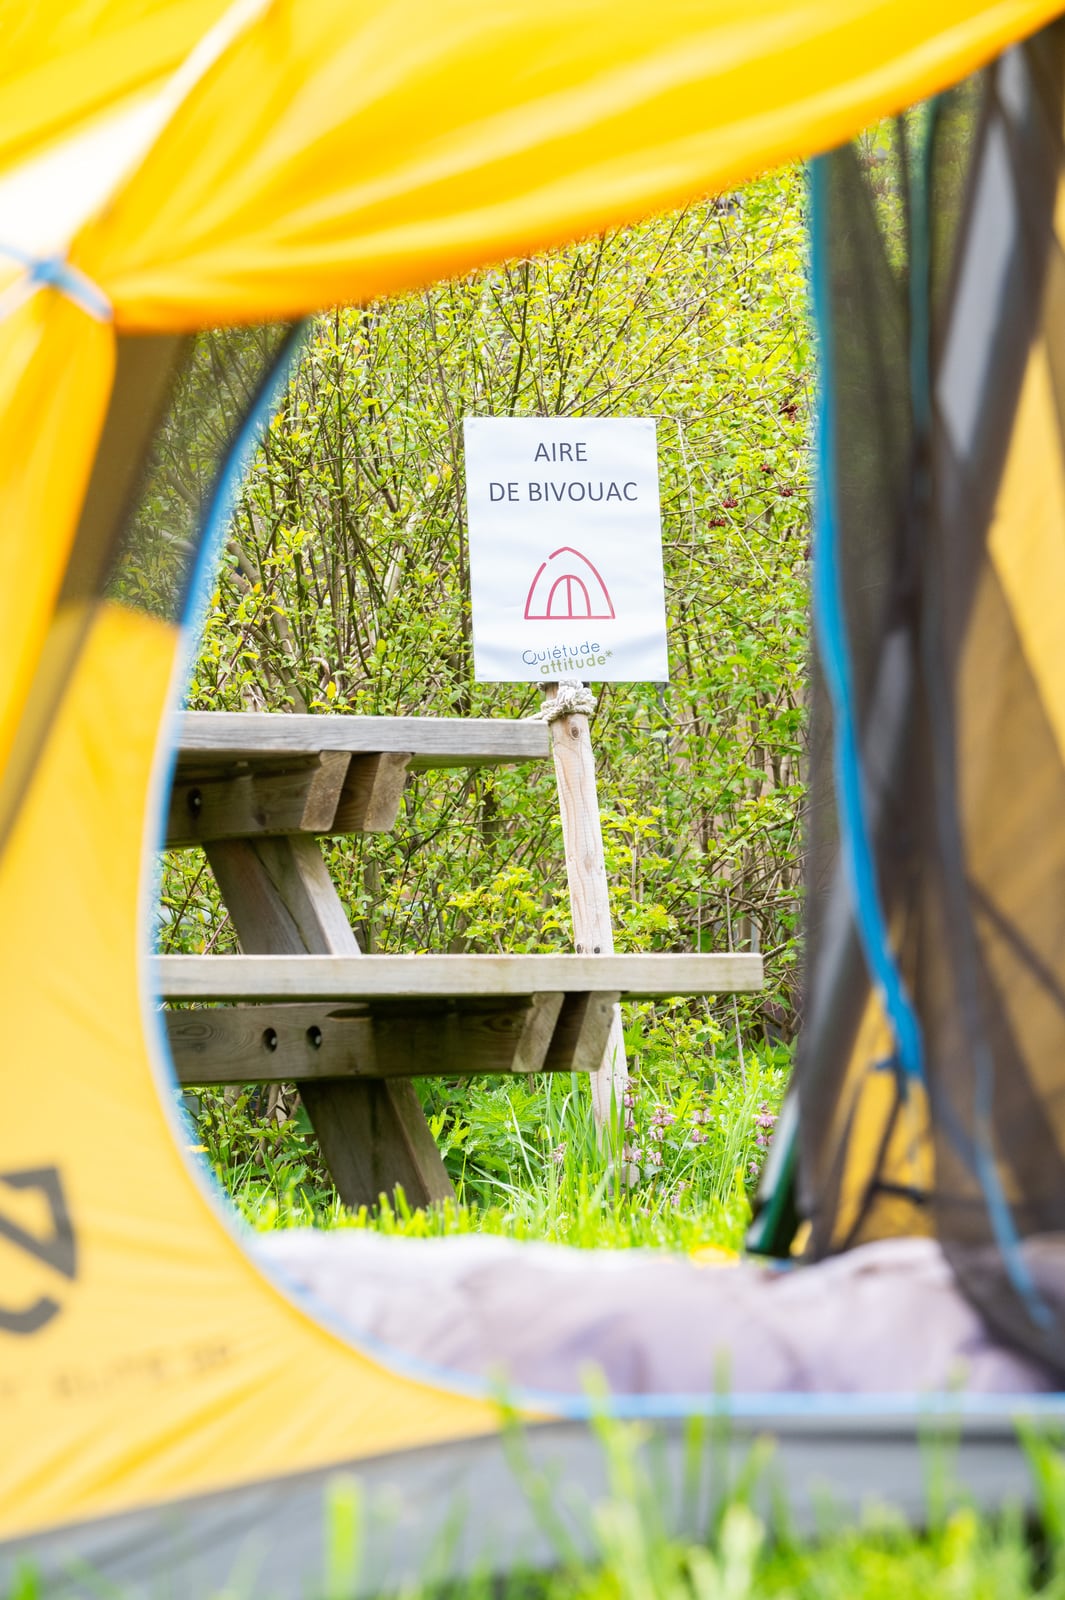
(321, 152)
(317, 151)
(310, 153)
(937, 777)
(61, 66)
(338, 151)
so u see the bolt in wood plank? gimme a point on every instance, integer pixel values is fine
(249, 804)
(373, 789)
(298, 1043)
(271, 1044)
(373, 1134)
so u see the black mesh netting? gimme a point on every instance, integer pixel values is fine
(176, 409)
(946, 305)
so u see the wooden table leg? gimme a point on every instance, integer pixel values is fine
(373, 1134)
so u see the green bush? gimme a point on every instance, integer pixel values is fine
(343, 587)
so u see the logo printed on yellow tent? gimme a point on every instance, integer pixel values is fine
(50, 1245)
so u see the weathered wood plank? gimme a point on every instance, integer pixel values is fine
(331, 977)
(589, 887)
(270, 1044)
(304, 1043)
(431, 1037)
(583, 1033)
(204, 737)
(373, 789)
(390, 1145)
(247, 804)
(372, 1133)
(537, 1033)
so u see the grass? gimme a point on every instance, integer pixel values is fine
(677, 1171)
(959, 1555)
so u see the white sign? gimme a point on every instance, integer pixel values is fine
(565, 549)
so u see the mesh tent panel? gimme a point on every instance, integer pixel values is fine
(947, 320)
(176, 408)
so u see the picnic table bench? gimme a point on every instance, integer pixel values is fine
(304, 1005)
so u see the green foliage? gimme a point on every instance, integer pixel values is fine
(344, 587)
(635, 1555)
(678, 1171)
(958, 1555)
(344, 582)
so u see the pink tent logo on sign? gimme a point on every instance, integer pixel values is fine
(567, 587)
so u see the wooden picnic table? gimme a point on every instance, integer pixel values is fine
(303, 1005)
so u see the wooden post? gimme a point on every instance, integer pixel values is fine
(589, 893)
(372, 1131)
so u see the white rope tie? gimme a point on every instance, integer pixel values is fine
(570, 696)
